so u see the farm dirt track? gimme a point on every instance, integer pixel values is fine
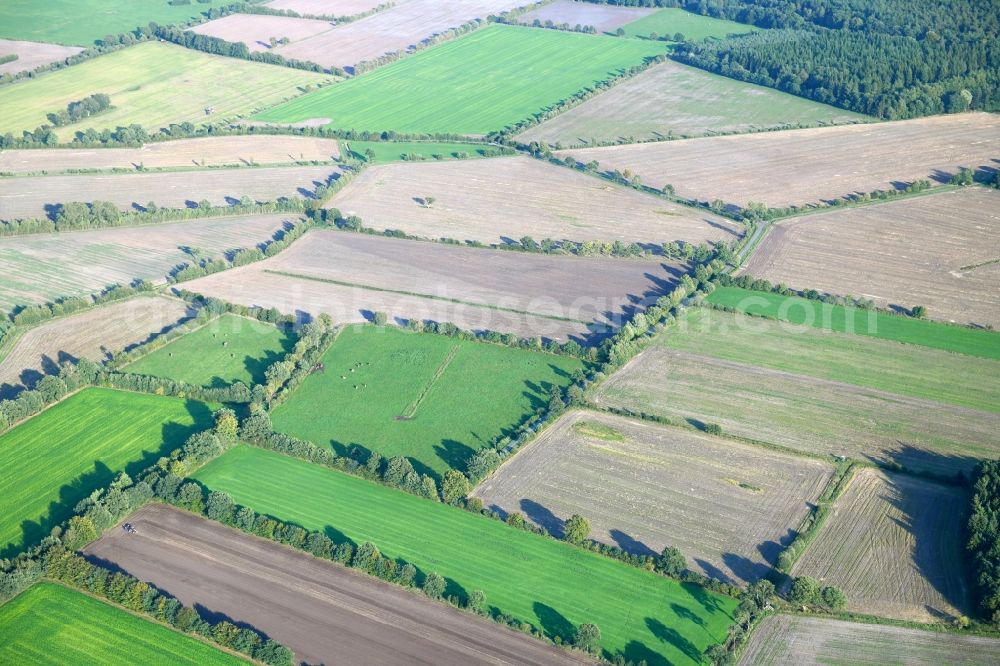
(39, 267)
(29, 197)
(810, 165)
(893, 544)
(90, 335)
(32, 54)
(406, 24)
(209, 151)
(324, 612)
(662, 486)
(811, 641)
(804, 413)
(605, 18)
(507, 198)
(900, 254)
(256, 30)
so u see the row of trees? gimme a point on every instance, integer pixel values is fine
(80, 109)
(984, 539)
(218, 46)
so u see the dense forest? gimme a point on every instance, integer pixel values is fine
(887, 58)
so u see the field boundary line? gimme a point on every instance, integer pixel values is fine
(124, 171)
(433, 297)
(411, 409)
(943, 188)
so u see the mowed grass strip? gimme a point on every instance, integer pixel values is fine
(152, 84)
(479, 83)
(552, 585)
(374, 374)
(695, 27)
(51, 624)
(57, 458)
(226, 350)
(874, 323)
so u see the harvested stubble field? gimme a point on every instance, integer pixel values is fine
(605, 18)
(730, 508)
(327, 7)
(929, 250)
(35, 196)
(812, 641)
(95, 335)
(50, 625)
(799, 167)
(256, 30)
(676, 100)
(474, 85)
(550, 584)
(190, 153)
(815, 416)
(41, 267)
(54, 460)
(396, 29)
(152, 84)
(329, 613)
(893, 544)
(32, 54)
(498, 200)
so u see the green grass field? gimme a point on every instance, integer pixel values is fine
(52, 461)
(877, 324)
(51, 624)
(911, 370)
(153, 85)
(82, 22)
(473, 85)
(553, 585)
(434, 399)
(226, 350)
(396, 151)
(694, 27)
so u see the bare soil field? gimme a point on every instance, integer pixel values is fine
(257, 30)
(326, 7)
(927, 250)
(893, 544)
(811, 641)
(324, 612)
(730, 508)
(799, 167)
(498, 200)
(605, 18)
(192, 153)
(398, 28)
(808, 414)
(94, 334)
(32, 54)
(39, 268)
(675, 100)
(37, 196)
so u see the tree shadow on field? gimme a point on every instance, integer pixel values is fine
(214, 617)
(337, 536)
(543, 517)
(712, 571)
(455, 454)
(553, 623)
(636, 652)
(673, 637)
(630, 544)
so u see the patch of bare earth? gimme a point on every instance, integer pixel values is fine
(324, 612)
(940, 251)
(893, 544)
(95, 334)
(498, 200)
(257, 30)
(798, 167)
(811, 641)
(33, 54)
(730, 508)
(327, 7)
(604, 18)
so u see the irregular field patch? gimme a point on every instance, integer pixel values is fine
(95, 335)
(893, 544)
(730, 508)
(343, 617)
(41, 267)
(806, 166)
(476, 84)
(257, 30)
(494, 201)
(810, 641)
(431, 398)
(49, 624)
(152, 84)
(673, 100)
(552, 585)
(604, 18)
(939, 251)
(694, 27)
(32, 54)
(182, 153)
(323, 7)
(57, 458)
(226, 350)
